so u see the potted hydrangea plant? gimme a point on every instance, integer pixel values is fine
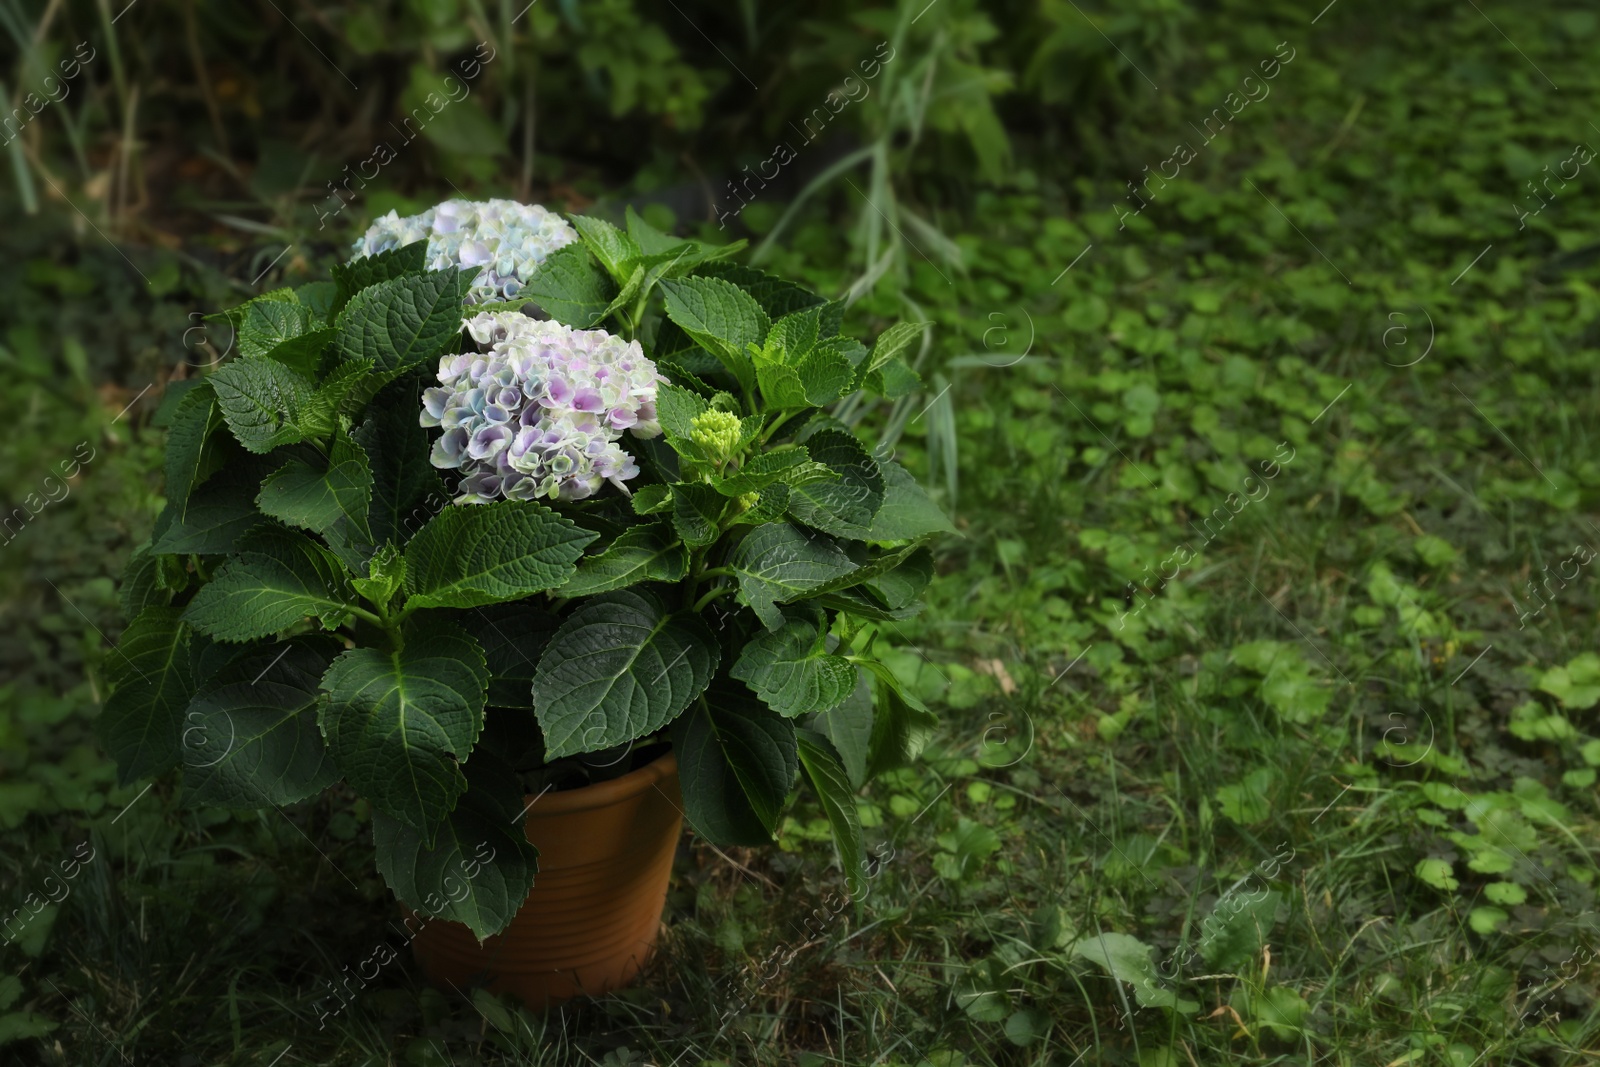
(541, 539)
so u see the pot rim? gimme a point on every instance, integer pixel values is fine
(603, 794)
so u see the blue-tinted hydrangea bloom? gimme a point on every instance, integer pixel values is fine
(504, 239)
(539, 412)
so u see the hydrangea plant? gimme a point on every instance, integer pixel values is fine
(448, 554)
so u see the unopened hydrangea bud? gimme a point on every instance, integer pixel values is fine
(717, 432)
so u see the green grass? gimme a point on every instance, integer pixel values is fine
(1339, 674)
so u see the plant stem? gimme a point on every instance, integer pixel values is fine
(711, 594)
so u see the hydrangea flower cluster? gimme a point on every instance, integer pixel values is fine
(506, 239)
(540, 411)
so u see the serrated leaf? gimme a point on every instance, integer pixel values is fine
(894, 380)
(406, 488)
(676, 409)
(318, 499)
(849, 727)
(790, 668)
(352, 277)
(737, 763)
(777, 296)
(488, 553)
(620, 667)
(891, 344)
(901, 585)
(277, 579)
(649, 239)
(652, 499)
(720, 317)
(303, 354)
(770, 506)
(261, 745)
(827, 777)
(386, 575)
(263, 402)
(513, 637)
(264, 324)
(403, 321)
(218, 514)
(479, 868)
(791, 464)
(191, 447)
(571, 287)
(141, 722)
(140, 586)
(639, 554)
(776, 563)
(848, 505)
(907, 511)
(610, 246)
(696, 511)
(319, 297)
(398, 724)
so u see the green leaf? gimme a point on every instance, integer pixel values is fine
(398, 724)
(141, 587)
(720, 317)
(191, 445)
(1127, 959)
(620, 667)
(770, 506)
(827, 776)
(902, 725)
(216, 516)
(849, 727)
(256, 744)
(847, 505)
(263, 402)
(386, 576)
(352, 277)
(277, 579)
(652, 499)
(777, 296)
(907, 513)
(649, 239)
(488, 553)
(1438, 873)
(737, 762)
(790, 668)
(142, 720)
(1576, 685)
(676, 408)
(696, 511)
(319, 499)
(639, 554)
(318, 297)
(264, 324)
(403, 321)
(790, 464)
(406, 488)
(893, 343)
(303, 354)
(900, 585)
(513, 637)
(571, 287)
(610, 246)
(477, 867)
(1232, 935)
(776, 563)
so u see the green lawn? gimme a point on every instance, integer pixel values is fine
(1267, 651)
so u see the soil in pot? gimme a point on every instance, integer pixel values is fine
(591, 920)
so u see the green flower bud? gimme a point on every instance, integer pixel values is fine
(717, 432)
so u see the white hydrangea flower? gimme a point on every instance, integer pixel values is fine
(503, 238)
(539, 412)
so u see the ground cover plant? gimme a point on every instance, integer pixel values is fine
(1265, 655)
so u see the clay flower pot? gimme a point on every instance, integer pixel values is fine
(590, 922)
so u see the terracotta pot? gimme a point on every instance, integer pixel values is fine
(590, 923)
